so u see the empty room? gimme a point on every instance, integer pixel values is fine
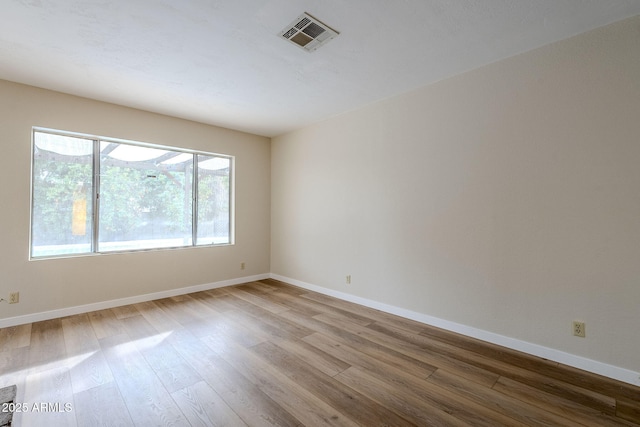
(299, 213)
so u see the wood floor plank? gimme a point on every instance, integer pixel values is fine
(49, 397)
(243, 307)
(313, 308)
(354, 405)
(521, 411)
(257, 300)
(440, 398)
(15, 337)
(172, 370)
(200, 310)
(162, 355)
(290, 395)
(247, 400)
(87, 365)
(144, 395)
(258, 286)
(313, 356)
(47, 342)
(102, 406)
(246, 334)
(204, 407)
(556, 405)
(352, 355)
(88, 370)
(105, 323)
(295, 303)
(500, 368)
(366, 347)
(184, 309)
(404, 404)
(192, 350)
(79, 336)
(270, 325)
(157, 317)
(628, 410)
(403, 380)
(435, 359)
(594, 382)
(177, 312)
(516, 358)
(547, 368)
(253, 406)
(13, 360)
(282, 287)
(257, 328)
(407, 325)
(125, 311)
(178, 377)
(216, 301)
(218, 292)
(139, 329)
(346, 306)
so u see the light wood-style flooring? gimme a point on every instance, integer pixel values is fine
(266, 353)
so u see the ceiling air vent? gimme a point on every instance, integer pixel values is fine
(308, 33)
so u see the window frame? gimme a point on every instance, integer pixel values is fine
(95, 190)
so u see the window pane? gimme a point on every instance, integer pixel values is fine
(62, 195)
(145, 198)
(213, 200)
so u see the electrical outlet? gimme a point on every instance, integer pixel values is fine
(578, 329)
(14, 297)
(348, 279)
(242, 266)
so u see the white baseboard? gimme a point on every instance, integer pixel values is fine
(610, 371)
(69, 311)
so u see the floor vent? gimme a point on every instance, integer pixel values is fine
(308, 33)
(8, 403)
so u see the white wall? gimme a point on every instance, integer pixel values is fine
(55, 284)
(506, 198)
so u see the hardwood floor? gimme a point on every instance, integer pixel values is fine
(266, 353)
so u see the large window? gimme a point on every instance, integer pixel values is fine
(93, 195)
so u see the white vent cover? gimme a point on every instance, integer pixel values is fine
(308, 33)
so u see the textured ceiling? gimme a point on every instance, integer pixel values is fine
(223, 63)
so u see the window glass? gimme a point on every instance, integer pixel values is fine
(213, 200)
(62, 201)
(144, 201)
